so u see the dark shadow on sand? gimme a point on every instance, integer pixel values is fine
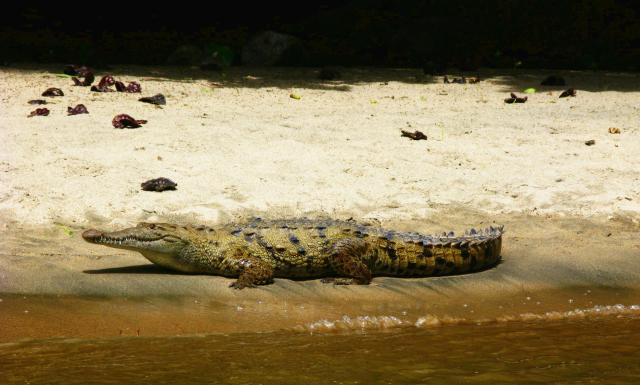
(290, 78)
(135, 269)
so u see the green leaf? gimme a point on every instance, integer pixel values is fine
(530, 91)
(65, 229)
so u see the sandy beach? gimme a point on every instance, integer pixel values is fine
(238, 145)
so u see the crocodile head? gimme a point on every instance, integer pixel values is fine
(160, 243)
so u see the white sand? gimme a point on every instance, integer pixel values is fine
(236, 145)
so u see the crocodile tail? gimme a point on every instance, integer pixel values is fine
(481, 249)
(448, 254)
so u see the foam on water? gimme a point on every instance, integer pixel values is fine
(387, 322)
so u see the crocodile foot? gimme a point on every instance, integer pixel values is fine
(239, 285)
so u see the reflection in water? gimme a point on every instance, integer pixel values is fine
(594, 349)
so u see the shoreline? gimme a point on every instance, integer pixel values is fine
(46, 317)
(549, 265)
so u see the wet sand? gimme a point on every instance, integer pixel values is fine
(238, 146)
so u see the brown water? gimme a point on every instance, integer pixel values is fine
(570, 348)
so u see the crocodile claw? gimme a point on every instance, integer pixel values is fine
(338, 281)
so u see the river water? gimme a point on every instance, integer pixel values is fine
(599, 345)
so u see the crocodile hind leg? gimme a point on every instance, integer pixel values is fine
(346, 259)
(253, 272)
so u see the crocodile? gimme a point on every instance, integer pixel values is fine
(342, 252)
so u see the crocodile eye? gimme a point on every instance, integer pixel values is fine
(171, 239)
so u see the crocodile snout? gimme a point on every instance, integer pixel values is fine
(92, 235)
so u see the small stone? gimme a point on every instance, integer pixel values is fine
(590, 142)
(614, 130)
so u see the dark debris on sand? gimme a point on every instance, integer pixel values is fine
(570, 92)
(79, 109)
(157, 99)
(126, 121)
(515, 99)
(417, 135)
(39, 112)
(461, 80)
(104, 84)
(80, 72)
(159, 185)
(133, 87)
(52, 92)
(107, 81)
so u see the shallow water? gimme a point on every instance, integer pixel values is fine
(574, 349)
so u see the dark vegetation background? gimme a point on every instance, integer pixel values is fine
(597, 34)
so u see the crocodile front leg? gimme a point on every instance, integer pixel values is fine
(253, 272)
(346, 259)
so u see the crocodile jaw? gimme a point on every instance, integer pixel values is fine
(136, 239)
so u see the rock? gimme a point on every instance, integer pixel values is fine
(216, 58)
(590, 142)
(186, 55)
(270, 48)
